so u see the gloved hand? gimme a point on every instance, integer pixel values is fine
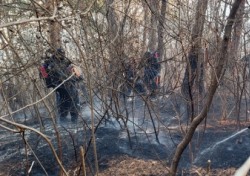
(76, 70)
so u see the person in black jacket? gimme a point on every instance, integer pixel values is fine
(132, 79)
(151, 70)
(129, 75)
(59, 72)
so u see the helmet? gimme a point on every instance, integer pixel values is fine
(60, 53)
(156, 55)
(147, 55)
(48, 53)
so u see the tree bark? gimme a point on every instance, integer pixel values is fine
(153, 23)
(145, 31)
(54, 27)
(234, 55)
(161, 28)
(194, 68)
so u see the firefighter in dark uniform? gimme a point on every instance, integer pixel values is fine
(56, 69)
(151, 70)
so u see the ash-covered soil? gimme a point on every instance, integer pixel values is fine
(142, 144)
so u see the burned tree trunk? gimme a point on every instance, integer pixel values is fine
(193, 78)
(161, 28)
(153, 24)
(54, 26)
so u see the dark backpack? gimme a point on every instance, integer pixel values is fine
(153, 61)
(55, 70)
(157, 58)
